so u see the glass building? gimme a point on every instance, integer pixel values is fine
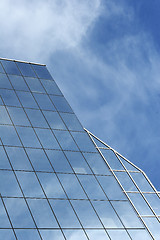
(57, 180)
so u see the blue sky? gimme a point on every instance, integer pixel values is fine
(104, 55)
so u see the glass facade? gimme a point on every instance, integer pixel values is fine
(57, 180)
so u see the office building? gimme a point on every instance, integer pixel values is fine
(57, 180)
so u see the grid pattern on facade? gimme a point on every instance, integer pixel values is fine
(58, 181)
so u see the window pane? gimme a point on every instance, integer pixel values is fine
(52, 234)
(26, 69)
(1, 68)
(10, 67)
(142, 182)
(72, 122)
(67, 217)
(9, 97)
(126, 181)
(75, 234)
(7, 234)
(4, 163)
(119, 234)
(112, 159)
(97, 163)
(154, 201)
(72, 186)
(9, 136)
(59, 161)
(36, 118)
(65, 140)
(34, 84)
(18, 82)
(42, 213)
(44, 102)
(54, 120)
(78, 162)
(51, 185)
(51, 87)
(18, 116)
(8, 184)
(41, 71)
(139, 234)
(4, 222)
(4, 117)
(97, 234)
(84, 142)
(19, 213)
(26, 234)
(27, 99)
(47, 138)
(61, 104)
(154, 227)
(18, 158)
(4, 81)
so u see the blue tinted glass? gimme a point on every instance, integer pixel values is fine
(4, 81)
(142, 182)
(39, 160)
(54, 120)
(44, 102)
(97, 234)
(65, 140)
(139, 234)
(18, 116)
(1, 68)
(61, 104)
(51, 87)
(26, 69)
(4, 163)
(18, 82)
(72, 122)
(112, 159)
(41, 71)
(120, 234)
(7, 234)
(27, 99)
(52, 234)
(9, 136)
(47, 138)
(26, 234)
(154, 227)
(19, 213)
(75, 234)
(4, 117)
(9, 97)
(126, 181)
(10, 67)
(59, 161)
(4, 222)
(34, 85)
(154, 201)
(36, 118)
(84, 142)
(18, 158)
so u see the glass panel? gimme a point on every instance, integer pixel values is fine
(154, 227)
(139, 234)
(51, 87)
(9, 97)
(28, 179)
(119, 234)
(9, 136)
(4, 118)
(84, 142)
(140, 204)
(126, 181)
(65, 140)
(47, 138)
(41, 71)
(34, 84)
(127, 214)
(1, 68)
(4, 81)
(36, 118)
(128, 165)
(59, 161)
(43, 101)
(39, 160)
(142, 182)
(4, 222)
(19, 213)
(18, 82)
(97, 163)
(26, 234)
(28, 137)
(26, 69)
(109, 183)
(10, 67)
(8, 184)
(97, 234)
(7, 234)
(4, 163)
(67, 217)
(72, 122)
(86, 214)
(51, 234)
(107, 214)
(54, 120)
(18, 116)
(42, 213)
(27, 99)
(61, 104)
(51, 185)
(75, 234)
(112, 159)
(72, 186)
(92, 187)
(154, 201)
(78, 162)
(18, 158)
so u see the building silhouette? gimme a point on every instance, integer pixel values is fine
(57, 180)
